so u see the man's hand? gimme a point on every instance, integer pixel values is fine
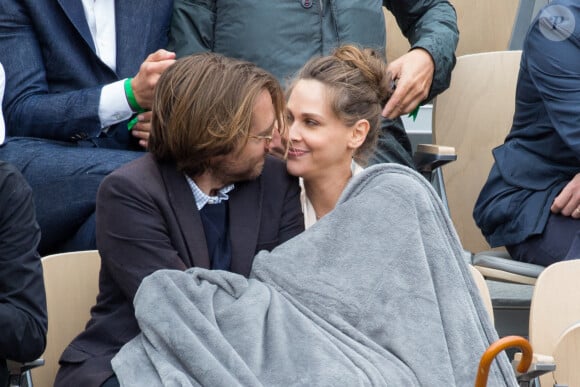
(142, 128)
(413, 73)
(567, 202)
(143, 84)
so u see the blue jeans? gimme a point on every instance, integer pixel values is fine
(64, 178)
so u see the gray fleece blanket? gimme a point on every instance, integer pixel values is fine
(374, 294)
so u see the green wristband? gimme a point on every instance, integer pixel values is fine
(131, 97)
(132, 123)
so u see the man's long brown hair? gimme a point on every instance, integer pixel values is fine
(203, 108)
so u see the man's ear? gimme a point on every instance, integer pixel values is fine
(358, 134)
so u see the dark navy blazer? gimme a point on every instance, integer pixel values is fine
(541, 154)
(53, 74)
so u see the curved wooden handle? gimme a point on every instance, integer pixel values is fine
(498, 346)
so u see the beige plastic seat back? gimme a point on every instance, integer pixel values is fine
(566, 356)
(474, 115)
(484, 25)
(483, 291)
(71, 281)
(555, 308)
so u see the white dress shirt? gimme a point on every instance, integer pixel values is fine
(307, 208)
(100, 15)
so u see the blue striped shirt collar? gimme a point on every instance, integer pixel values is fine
(201, 199)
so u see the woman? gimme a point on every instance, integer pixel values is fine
(333, 113)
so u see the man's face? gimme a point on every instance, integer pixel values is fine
(247, 163)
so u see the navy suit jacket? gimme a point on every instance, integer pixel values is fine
(541, 154)
(147, 220)
(53, 74)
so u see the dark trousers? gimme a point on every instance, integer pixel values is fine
(111, 382)
(3, 373)
(560, 241)
(64, 178)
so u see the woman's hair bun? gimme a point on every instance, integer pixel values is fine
(371, 66)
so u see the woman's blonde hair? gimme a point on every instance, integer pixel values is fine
(203, 108)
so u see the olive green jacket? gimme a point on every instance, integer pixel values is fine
(281, 35)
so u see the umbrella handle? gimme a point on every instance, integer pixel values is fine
(498, 346)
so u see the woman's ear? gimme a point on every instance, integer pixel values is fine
(358, 134)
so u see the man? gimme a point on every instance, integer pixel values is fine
(207, 195)
(280, 36)
(530, 202)
(22, 298)
(76, 72)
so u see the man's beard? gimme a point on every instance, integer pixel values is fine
(229, 172)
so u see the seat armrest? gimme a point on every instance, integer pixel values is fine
(499, 266)
(541, 364)
(17, 368)
(428, 157)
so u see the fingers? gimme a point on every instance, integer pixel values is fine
(160, 55)
(142, 129)
(394, 104)
(143, 84)
(404, 100)
(414, 75)
(567, 202)
(560, 201)
(567, 208)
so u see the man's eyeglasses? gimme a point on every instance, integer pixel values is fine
(267, 138)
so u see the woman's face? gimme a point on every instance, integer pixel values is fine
(319, 140)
